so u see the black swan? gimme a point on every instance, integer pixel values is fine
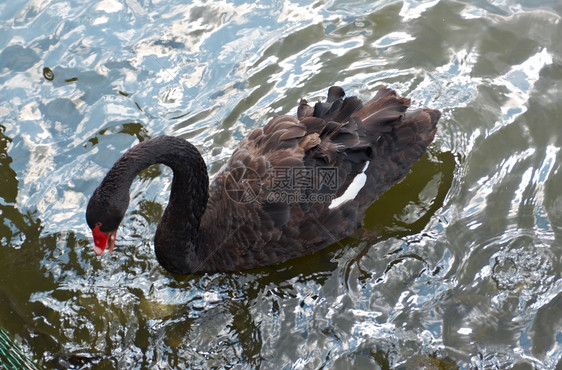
(291, 188)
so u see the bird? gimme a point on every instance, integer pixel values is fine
(291, 188)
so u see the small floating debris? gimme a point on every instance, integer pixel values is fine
(48, 74)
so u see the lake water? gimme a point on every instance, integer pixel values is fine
(458, 265)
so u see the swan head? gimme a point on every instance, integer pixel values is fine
(104, 215)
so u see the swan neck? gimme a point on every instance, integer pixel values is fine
(177, 237)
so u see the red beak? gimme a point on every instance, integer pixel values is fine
(103, 240)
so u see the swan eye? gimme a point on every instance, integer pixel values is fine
(98, 224)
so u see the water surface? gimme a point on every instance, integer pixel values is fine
(458, 265)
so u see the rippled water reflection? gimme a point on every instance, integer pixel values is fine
(458, 265)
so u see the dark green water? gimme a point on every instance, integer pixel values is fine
(458, 265)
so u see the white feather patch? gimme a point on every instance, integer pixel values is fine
(352, 190)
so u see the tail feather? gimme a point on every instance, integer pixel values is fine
(349, 106)
(380, 115)
(379, 128)
(407, 142)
